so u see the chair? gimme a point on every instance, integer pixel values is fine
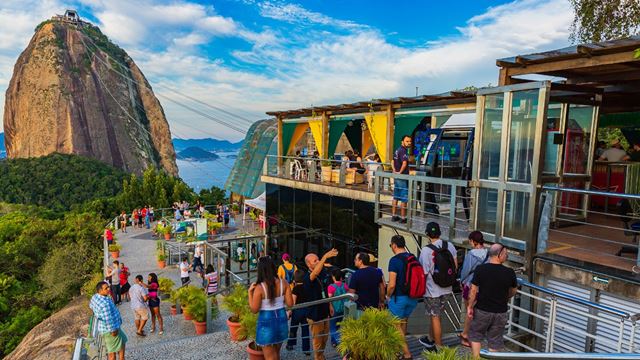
(300, 171)
(631, 228)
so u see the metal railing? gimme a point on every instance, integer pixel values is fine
(441, 200)
(326, 171)
(573, 226)
(568, 356)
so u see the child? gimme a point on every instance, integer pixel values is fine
(336, 308)
(298, 316)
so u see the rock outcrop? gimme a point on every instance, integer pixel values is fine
(75, 92)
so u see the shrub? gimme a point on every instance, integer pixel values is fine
(165, 285)
(237, 302)
(89, 287)
(373, 336)
(445, 353)
(12, 332)
(197, 307)
(115, 247)
(248, 325)
(185, 293)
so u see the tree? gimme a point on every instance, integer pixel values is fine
(597, 20)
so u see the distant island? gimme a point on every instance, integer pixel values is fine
(194, 153)
(207, 144)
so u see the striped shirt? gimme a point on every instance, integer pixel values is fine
(212, 285)
(106, 313)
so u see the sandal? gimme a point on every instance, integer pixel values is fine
(464, 341)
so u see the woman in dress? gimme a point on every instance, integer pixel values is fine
(154, 303)
(211, 280)
(268, 297)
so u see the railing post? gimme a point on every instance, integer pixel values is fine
(620, 335)
(511, 313)
(209, 322)
(409, 205)
(343, 173)
(376, 184)
(552, 324)
(452, 213)
(632, 337)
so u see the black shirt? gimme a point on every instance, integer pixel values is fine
(366, 283)
(494, 282)
(399, 156)
(314, 290)
(298, 291)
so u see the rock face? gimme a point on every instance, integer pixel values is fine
(75, 92)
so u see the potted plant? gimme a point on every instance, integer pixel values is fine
(114, 249)
(236, 303)
(197, 308)
(165, 286)
(249, 324)
(166, 230)
(374, 336)
(161, 259)
(214, 227)
(185, 294)
(325, 165)
(445, 353)
(173, 299)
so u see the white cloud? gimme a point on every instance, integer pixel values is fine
(296, 14)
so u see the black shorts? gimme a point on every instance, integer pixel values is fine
(154, 303)
(125, 288)
(226, 221)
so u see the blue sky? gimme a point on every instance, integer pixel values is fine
(252, 56)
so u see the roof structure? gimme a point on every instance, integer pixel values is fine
(365, 106)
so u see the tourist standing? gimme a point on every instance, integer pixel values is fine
(242, 254)
(198, 266)
(108, 235)
(134, 216)
(287, 269)
(614, 153)
(211, 280)
(336, 308)
(139, 297)
(476, 256)
(299, 316)
(123, 221)
(226, 216)
(492, 286)
(314, 289)
(147, 219)
(267, 296)
(154, 303)
(439, 262)
(401, 186)
(184, 271)
(114, 273)
(405, 276)
(109, 321)
(367, 283)
(124, 282)
(152, 216)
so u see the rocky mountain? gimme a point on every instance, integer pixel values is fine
(207, 144)
(75, 92)
(194, 153)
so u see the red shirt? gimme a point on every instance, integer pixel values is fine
(124, 275)
(109, 235)
(143, 213)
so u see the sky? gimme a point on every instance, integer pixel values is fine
(245, 57)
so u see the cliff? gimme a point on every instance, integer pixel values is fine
(75, 92)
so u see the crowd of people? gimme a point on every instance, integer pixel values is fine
(486, 285)
(616, 152)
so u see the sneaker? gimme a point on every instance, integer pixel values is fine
(161, 332)
(152, 331)
(403, 221)
(427, 343)
(395, 218)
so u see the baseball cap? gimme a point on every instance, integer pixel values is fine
(285, 257)
(433, 230)
(615, 142)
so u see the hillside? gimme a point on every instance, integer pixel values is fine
(194, 153)
(73, 91)
(207, 144)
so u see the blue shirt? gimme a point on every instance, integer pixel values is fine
(399, 156)
(397, 265)
(106, 313)
(366, 283)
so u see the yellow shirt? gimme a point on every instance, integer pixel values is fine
(288, 266)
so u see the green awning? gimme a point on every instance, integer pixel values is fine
(287, 133)
(619, 120)
(404, 125)
(336, 128)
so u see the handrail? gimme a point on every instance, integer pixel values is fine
(345, 296)
(544, 356)
(306, 158)
(592, 192)
(423, 178)
(565, 296)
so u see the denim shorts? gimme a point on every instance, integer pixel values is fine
(402, 306)
(400, 190)
(273, 327)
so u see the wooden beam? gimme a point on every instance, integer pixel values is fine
(609, 59)
(325, 135)
(280, 145)
(391, 113)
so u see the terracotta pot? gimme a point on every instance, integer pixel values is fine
(162, 264)
(115, 254)
(234, 330)
(186, 314)
(254, 351)
(173, 310)
(167, 236)
(201, 327)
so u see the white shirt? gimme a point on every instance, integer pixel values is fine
(426, 259)
(184, 269)
(614, 154)
(198, 252)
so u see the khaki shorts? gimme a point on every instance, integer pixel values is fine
(141, 314)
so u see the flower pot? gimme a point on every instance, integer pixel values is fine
(254, 351)
(162, 264)
(186, 314)
(115, 254)
(167, 236)
(173, 310)
(201, 327)
(234, 329)
(326, 173)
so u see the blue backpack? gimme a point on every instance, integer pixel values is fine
(288, 274)
(338, 305)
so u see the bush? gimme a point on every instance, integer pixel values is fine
(185, 293)
(373, 336)
(165, 285)
(248, 325)
(89, 287)
(115, 247)
(237, 302)
(445, 353)
(197, 307)
(11, 333)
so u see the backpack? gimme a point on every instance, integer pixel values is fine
(288, 274)
(414, 284)
(338, 305)
(444, 272)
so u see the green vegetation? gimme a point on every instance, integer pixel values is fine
(597, 20)
(237, 302)
(42, 24)
(102, 41)
(373, 336)
(445, 353)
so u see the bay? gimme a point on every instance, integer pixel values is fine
(204, 174)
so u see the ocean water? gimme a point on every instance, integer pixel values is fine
(204, 174)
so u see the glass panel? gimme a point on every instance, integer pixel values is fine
(554, 113)
(577, 139)
(487, 207)
(491, 134)
(524, 109)
(320, 210)
(303, 208)
(516, 213)
(571, 203)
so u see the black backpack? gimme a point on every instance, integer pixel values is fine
(444, 273)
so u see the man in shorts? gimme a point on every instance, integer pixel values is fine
(139, 297)
(109, 321)
(401, 186)
(492, 286)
